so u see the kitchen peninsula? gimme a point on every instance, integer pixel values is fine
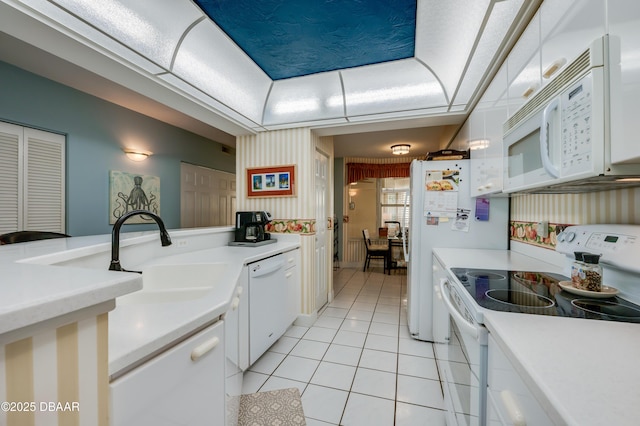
(56, 334)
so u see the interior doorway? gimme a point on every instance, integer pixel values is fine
(322, 215)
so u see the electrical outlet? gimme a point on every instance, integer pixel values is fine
(543, 228)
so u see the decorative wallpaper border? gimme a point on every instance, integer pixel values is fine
(292, 226)
(527, 232)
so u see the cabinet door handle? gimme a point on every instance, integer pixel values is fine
(239, 291)
(290, 259)
(235, 303)
(288, 274)
(515, 413)
(203, 348)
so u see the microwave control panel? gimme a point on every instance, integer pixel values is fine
(576, 115)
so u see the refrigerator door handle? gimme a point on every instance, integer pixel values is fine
(405, 246)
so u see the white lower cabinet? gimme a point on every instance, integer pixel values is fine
(183, 386)
(292, 275)
(233, 371)
(509, 400)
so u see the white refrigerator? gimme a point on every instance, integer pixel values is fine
(443, 214)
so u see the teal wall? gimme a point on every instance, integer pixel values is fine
(96, 132)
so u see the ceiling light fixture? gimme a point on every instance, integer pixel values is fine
(136, 154)
(401, 149)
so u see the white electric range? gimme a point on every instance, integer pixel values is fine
(504, 281)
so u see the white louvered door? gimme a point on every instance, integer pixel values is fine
(32, 180)
(10, 177)
(44, 185)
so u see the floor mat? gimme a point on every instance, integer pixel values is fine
(273, 408)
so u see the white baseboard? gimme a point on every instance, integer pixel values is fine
(306, 320)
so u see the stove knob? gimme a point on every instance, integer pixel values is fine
(570, 236)
(561, 236)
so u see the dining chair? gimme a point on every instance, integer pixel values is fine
(25, 236)
(375, 251)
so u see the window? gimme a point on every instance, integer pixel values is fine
(393, 194)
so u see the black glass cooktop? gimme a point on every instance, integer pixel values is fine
(539, 293)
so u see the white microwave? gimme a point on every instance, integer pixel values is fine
(560, 140)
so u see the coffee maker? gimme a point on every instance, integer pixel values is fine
(250, 229)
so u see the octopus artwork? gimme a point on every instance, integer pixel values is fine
(124, 200)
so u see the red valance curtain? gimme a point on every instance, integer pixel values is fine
(359, 171)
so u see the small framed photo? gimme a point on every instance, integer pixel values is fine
(278, 181)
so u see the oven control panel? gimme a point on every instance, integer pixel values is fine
(618, 245)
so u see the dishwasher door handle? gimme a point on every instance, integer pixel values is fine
(258, 271)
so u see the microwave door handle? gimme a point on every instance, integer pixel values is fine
(544, 138)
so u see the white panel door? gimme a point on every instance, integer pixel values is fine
(322, 265)
(207, 197)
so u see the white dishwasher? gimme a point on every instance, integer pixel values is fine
(268, 300)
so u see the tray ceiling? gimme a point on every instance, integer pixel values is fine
(295, 38)
(267, 64)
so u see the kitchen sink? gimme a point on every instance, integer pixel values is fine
(167, 283)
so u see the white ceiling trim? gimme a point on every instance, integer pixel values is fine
(169, 46)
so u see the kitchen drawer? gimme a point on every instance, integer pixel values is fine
(184, 385)
(510, 401)
(292, 259)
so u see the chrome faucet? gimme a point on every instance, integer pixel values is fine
(115, 237)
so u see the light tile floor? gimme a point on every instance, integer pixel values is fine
(357, 364)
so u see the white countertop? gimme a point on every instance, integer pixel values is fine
(34, 290)
(31, 293)
(137, 331)
(583, 372)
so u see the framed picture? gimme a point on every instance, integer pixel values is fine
(132, 191)
(279, 181)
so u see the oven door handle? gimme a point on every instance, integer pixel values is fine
(464, 325)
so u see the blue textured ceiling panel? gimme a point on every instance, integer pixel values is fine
(294, 38)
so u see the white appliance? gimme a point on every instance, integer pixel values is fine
(565, 138)
(268, 304)
(430, 227)
(467, 292)
(618, 246)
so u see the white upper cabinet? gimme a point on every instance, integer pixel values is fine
(523, 66)
(624, 30)
(567, 28)
(559, 32)
(486, 137)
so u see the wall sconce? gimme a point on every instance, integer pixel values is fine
(401, 149)
(136, 154)
(352, 204)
